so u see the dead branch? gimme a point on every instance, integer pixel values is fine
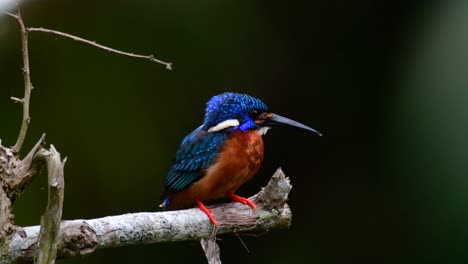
(211, 249)
(50, 221)
(27, 83)
(82, 237)
(93, 43)
(83, 40)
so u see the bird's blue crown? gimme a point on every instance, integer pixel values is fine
(233, 106)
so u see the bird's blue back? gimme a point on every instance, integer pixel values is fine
(197, 152)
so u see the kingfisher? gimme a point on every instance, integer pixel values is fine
(226, 151)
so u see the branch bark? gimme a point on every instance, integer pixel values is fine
(82, 237)
(23, 171)
(211, 249)
(50, 221)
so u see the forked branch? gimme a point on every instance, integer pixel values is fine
(27, 72)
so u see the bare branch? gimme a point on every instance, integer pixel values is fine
(211, 249)
(50, 221)
(17, 100)
(10, 14)
(27, 72)
(93, 43)
(89, 42)
(27, 83)
(82, 237)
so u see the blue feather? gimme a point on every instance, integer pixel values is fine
(165, 203)
(196, 153)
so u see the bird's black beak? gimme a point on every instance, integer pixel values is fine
(277, 120)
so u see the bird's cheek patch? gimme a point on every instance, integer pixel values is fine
(224, 124)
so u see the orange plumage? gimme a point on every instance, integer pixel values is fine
(236, 163)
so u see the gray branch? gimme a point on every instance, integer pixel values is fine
(50, 221)
(211, 248)
(82, 237)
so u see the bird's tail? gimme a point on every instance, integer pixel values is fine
(165, 204)
(165, 199)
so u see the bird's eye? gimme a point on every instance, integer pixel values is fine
(254, 113)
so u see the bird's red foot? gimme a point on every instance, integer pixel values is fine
(243, 200)
(207, 212)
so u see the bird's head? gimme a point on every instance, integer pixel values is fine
(241, 111)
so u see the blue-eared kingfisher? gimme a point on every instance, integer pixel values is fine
(215, 159)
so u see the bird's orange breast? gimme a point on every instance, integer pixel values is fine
(237, 162)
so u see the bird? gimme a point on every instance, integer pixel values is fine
(219, 156)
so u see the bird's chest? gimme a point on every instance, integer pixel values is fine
(244, 149)
(237, 162)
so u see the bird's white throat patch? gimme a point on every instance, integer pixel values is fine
(224, 124)
(263, 130)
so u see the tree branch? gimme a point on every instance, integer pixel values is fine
(10, 14)
(27, 83)
(85, 41)
(211, 248)
(93, 43)
(50, 221)
(82, 237)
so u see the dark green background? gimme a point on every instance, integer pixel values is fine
(386, 83)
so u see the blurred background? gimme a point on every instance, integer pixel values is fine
(385, 82)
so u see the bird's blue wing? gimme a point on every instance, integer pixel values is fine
(196, 153)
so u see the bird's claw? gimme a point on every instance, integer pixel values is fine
(208, 212)
(243, 200)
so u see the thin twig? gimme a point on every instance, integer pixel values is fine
(17, 100)
(242, 242)
(10, 14)
(93, 43)
(27, 83)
